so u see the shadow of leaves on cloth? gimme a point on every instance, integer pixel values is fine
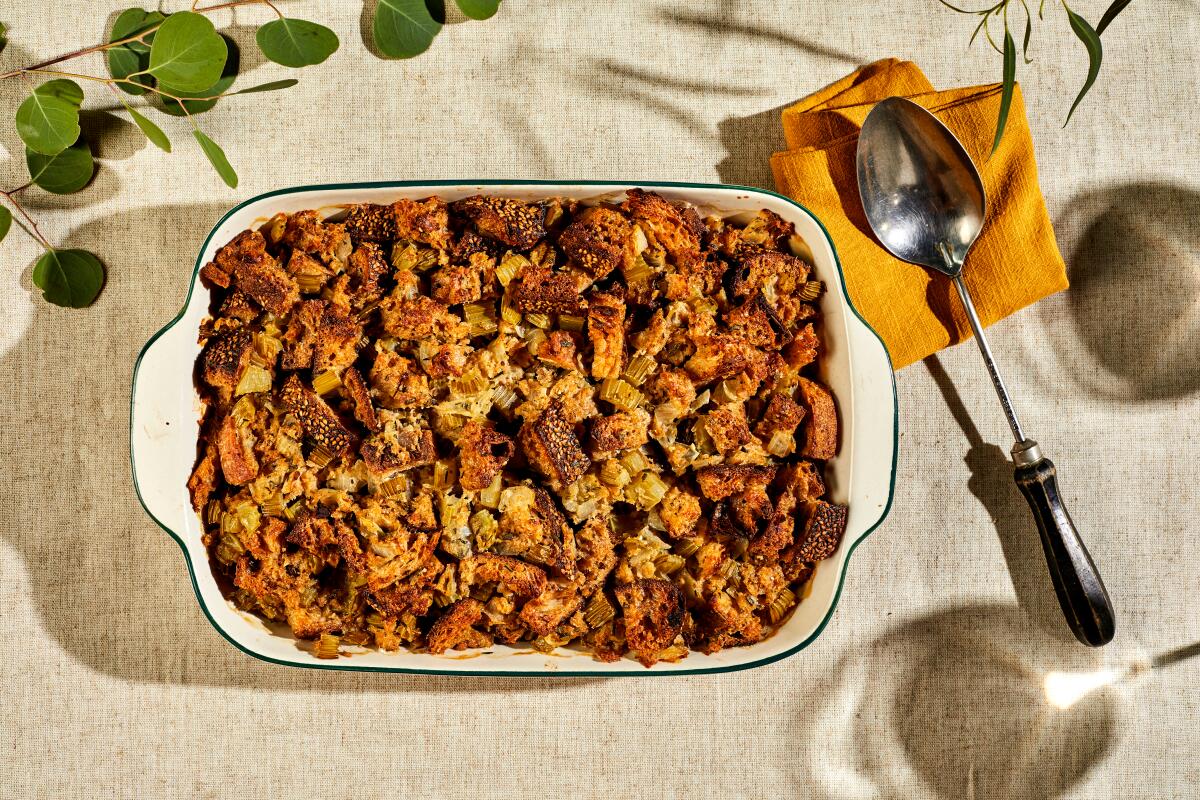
(109, 587)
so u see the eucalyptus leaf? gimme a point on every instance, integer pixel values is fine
(188, 53)
(1091, 40)
(216, 157)
(479, 9)
(132, 57)
(63, 173)
(1116, 8)
(1010, 82)
(48, 120)
(296, 42)
(5, 216)
(3, 44)
(70, 278)
(63, 89)
(287, 83)
(403, 28)
(211, 95)
(153, 132)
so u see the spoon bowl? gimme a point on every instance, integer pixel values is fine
(920, 190)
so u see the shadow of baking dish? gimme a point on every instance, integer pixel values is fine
(955, 705)
(108, 586)
(1133, 256)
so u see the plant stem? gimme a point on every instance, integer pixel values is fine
(31, 225)
(76, 54)
(139, 37)
(233, 3)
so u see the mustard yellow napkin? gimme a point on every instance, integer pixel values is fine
(1016, 260)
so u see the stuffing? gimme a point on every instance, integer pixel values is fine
(440, 426)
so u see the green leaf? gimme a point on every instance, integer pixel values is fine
(404, 28)
(5, 219)
(479, 9)
(213, 93)
(287, 83)
(70, 278)
(188, 53)
(296, 42)
(153, 132)
(1010, 82)
(3, 43)
(1028, 36)
(62, 89)
(1091, 40)
(132, 57)
(217, 157)
(62, 173)
(48, 120)
(1116, 8)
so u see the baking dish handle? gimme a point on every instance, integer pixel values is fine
(162, 434)
(876, 420)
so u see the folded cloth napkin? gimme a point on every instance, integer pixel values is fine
(917, 312)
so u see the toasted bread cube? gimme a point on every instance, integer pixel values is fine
(364, 411)
(425, 221)
(821, 431)
(454, 626)
(679, 512)
(606, 330)
(653, 613)
(727, 427)
(598, 241)
(620, 431)
(224, 359)
(482, 454)
(556, 602)
(368, 222)
(542, 291)
(320, 423)
(823, 529)
(238, 463)
(721, 481)
(552, 448)
(398, 449)
(519, 577)
(511, 222)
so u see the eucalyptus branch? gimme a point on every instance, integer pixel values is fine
(1083, 30)
(182, 60)
(139, 37)
(30, 225)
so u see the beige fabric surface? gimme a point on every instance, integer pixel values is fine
(927, 682)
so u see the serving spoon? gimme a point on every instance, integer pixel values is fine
(925, 202)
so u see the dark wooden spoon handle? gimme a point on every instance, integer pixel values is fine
(1077, 583)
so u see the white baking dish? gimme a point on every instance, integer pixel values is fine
(165, 409)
